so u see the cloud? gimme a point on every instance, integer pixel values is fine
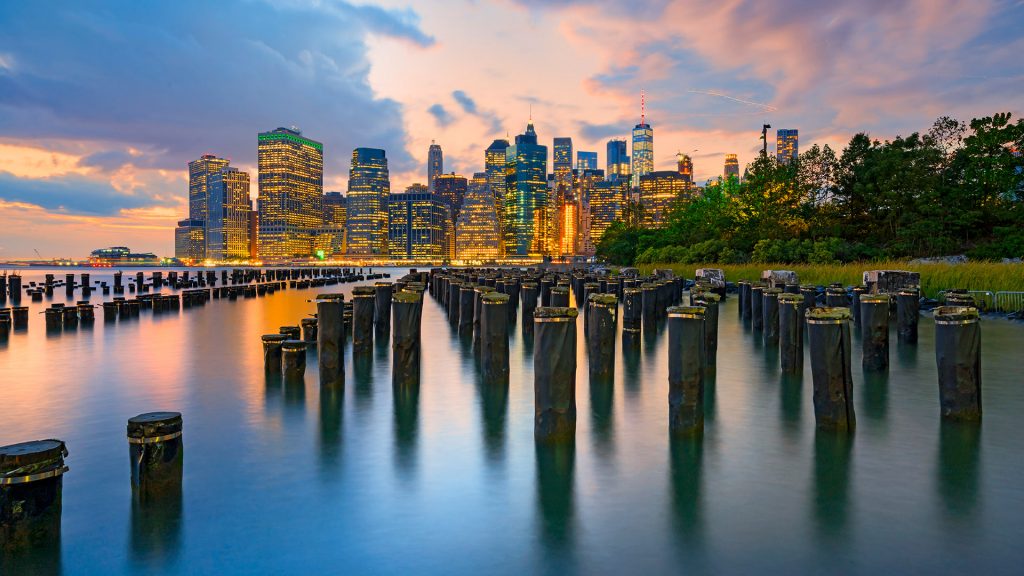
(469, 106)
(74, 194)
(184, 78)
(442, 116)
(592, 131)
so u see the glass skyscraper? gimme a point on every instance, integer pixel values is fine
(435, 164)
(199, 172)
(526, 199)
(418, 225)
(617, 166)
(291, 185)
(494, 167)
(607, 204)
(453, 188)
(478, 236)
(586, 160)
(369, 185)
(786, 145)
(227, 225)
(659, 193)
(643, 151)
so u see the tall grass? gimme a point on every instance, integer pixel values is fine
(934, 277)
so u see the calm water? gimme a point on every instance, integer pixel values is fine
(285, 479)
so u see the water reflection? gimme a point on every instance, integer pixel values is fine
(791, 390)
(686, 459)
(710, 381)
(332, 400)
(631, 363)
(832, 482)
(957, 468)
(156, 522)
(406, 397)
(362, 376)
(555, 477)
(494, 412)
(876, 395)
(42, 558)
(602, 398)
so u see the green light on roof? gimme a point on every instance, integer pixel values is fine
(273, 136)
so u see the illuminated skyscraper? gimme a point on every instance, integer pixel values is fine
(227, 224)
(453, 188)
(643, 145)
(198, 173)
(685, 166)
(586, 160)
(331, 240)
(526, 199)
(418, 224)
(189, 240)
(786, 145)
(607, 204)
(562, 160)
(478, 236)
(369, 184)
(618, 161)
(659, 193)
(435, 164)
(494, 167)
(732, 167)
(291, 183)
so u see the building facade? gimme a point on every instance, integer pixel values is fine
(561, 161)
(643, 151)
(685, 166)
(435, 164)
(526, 198)
(369, 186)
(607, 203)
(586, 160)
(452, 188)
(291, 182)
(660, 192)
(494, 167)
(617, 161)
(732, 167)
(787, 144)
(418, 225)
(227, 224)
(199, 172)
(477, 233)
(189, 240)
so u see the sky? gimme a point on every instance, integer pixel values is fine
(102, 104)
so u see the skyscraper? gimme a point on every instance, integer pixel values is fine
(227, 224)
(477, 234)
(331, 240)
(189, 240)
(418, 224)
(494, 167)
(369, 184)
(526, 199)
(685, 165)
(659, 193)
(453, 188)
(786, 144)
(198, 173)
(732, 167)
(643, 146)
(607, 204)
(586, 160)
(562, 160)
(435, 164)
(618, 160)
(291, 182)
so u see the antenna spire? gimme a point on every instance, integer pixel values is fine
(643, 111)
(531, 112)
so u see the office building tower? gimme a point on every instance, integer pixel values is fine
(685, 166)
(435, 164)
(418, 225)
(198, 173)
(369, 185)
(254, 227)
(526, 198)
(732, 167)
(453, 188)
(291, 187)
(331, 240)
(586, 160)
(643, 146)
(227, 223)
(617, 165)
(477, 234)
(786, 145)
(494, 167)
(189, 240)
(561, 163)
(607, 204)
(660, 193)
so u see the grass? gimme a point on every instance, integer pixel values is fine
(990, 276)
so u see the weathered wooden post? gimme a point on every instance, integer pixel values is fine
(156, 453)
(405, 341)
(554, 373)
(686, 362)
(293, 360)
(494, 337)
(908, 303)
(835, 297)
(382, 306)
(791, 333)
(31, 486)
(603, 310)
(958, 357)
(528, 294)
(466, 295)
(874, 319)
(364, 299)
(709, 301)
(560, 296)
(757, 307)
(330, 339)
(632, 309)
(747, 302)
(829, 337)
(272, 352)
(309, 329)
(770, 315)
(858, 292)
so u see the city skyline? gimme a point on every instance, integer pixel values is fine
(91, 151)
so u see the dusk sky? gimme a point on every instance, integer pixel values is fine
(102, 104)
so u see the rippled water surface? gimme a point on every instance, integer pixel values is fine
(289, 479)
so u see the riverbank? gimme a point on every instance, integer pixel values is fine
(990, 276)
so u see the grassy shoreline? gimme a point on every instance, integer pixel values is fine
(934, 277)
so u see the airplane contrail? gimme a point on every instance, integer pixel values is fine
(765, 107)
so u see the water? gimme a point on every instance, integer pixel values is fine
(283, 479)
